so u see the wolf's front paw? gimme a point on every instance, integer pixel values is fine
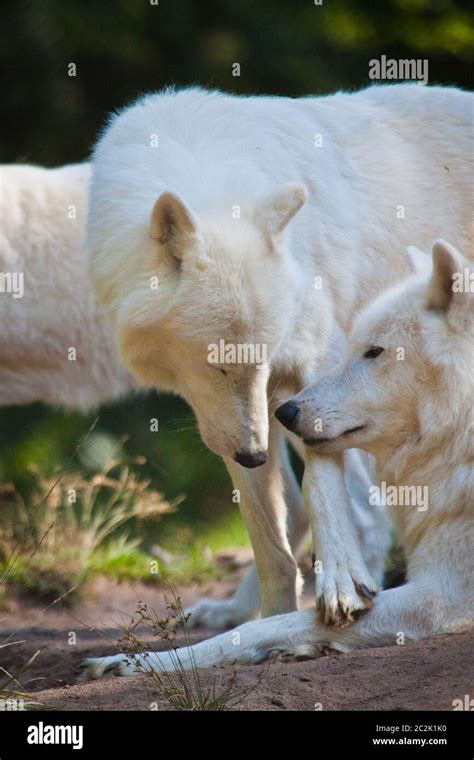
(217, 614)
(98, 667)
(342, 593)
(298, 653)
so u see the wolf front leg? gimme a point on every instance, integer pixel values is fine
(245, 602)
(406, 613)
(372, 520)
(263, 508)
(247, 644)
(344, 586)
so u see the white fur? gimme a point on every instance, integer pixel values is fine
(171, 172)
(43, 213)
(248, 280)
(418, 418)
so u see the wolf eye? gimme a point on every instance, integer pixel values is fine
(222, 370)
(373, 352)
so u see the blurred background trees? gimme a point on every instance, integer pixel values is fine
(127, 47)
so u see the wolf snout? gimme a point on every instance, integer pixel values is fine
(288, 414)
(251, 459)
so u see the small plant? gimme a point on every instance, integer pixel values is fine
(12, 696)
(50, 545)
(183, 689)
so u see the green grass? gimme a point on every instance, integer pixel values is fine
(48, 545)
(228, 532)
(11, 690)
(50, 542)
(52, 546)
(193, 559)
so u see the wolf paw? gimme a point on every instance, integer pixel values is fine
(216, 614)
(97, 667)
(341, 595)
(298, 653)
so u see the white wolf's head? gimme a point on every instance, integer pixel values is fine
(201, 304)
(409, 369)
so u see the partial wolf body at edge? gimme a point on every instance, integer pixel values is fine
(43, 220)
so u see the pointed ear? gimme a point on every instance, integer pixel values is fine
(419, 262)
(173, 225)
(447, 263)
(276, 210)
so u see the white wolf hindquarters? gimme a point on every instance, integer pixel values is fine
(205, 193)
(55, 342)
(414, 415)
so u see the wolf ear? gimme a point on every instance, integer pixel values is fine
(419, 262)
(447, 263)
(173, 225)
(276, 210)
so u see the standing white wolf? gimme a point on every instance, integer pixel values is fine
(406, 390)
(195, 239)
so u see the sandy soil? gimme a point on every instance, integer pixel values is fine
(425, 675)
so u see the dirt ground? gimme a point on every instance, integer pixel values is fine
(425, 675)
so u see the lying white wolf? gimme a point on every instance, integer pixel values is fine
(406, 390)
(197, 241)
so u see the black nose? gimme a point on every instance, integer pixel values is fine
(287, 414)
(246, 459)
